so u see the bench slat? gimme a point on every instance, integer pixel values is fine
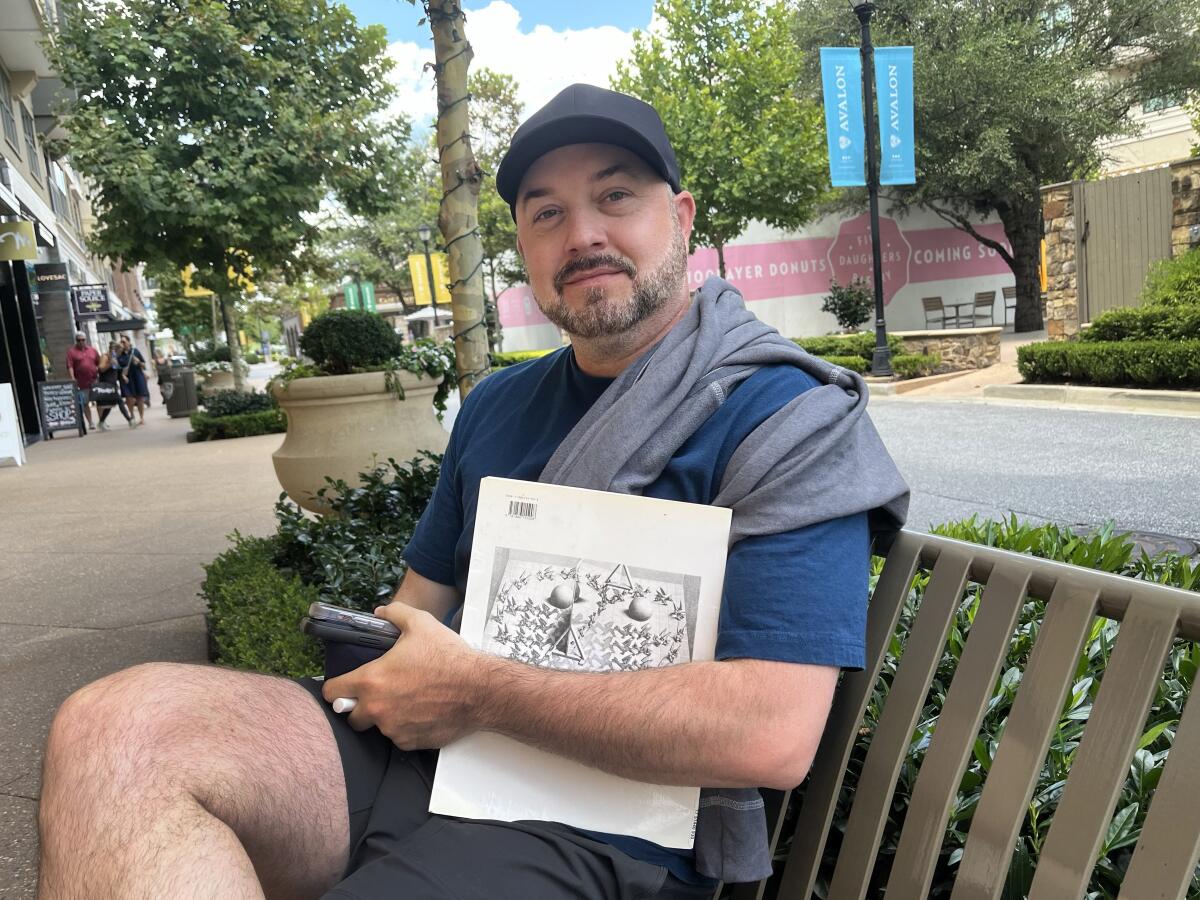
(1169, 848)
(906, 699)
(1034, 716)
(845, 718)
(954, 737)
(1102, 760)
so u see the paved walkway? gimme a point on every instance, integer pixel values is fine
(102, 539)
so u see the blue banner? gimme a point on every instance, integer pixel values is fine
(841, 75)
(894, 88)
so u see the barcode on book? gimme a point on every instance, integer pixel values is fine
(522, 509)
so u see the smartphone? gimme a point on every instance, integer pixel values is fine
(340, 633)
(352, 618)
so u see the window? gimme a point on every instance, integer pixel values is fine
(35, 165)
(6, 112)
(1158, 104)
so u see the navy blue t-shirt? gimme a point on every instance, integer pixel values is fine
(799, 596)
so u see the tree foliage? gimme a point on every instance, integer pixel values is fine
(723, 76)
(1012, 95)
(210, 129)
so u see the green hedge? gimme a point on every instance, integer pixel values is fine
(1174, 282)
(853, 363)
(503, 360)
(215, 428)
(915, 365)
(254, 611)
(232, 403)
(861, 344)
(1167, 364)
(1145, 323)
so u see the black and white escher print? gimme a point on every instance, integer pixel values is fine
(588, 615)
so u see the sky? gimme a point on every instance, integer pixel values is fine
(544, 44)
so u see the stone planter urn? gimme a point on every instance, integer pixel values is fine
(341, 425)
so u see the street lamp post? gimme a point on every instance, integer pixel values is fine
(424, 232)
(881, 362)
(356, 276)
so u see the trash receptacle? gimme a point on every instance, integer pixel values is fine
(180, 390)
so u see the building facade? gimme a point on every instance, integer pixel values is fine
(40, 285)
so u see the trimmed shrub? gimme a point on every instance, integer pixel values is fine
(1146, 323)
(252, 358)
(208, 427)
(211, 354)
(853, 363)
(345, 339)
(915, 365)
(1174, 364)
(504, 360)
(352, 555)
(232, 403)
(850, 304)
(861, 344)
(1174, 282)
(1107, 552)
(254, 611)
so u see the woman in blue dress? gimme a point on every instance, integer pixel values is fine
(133, 378)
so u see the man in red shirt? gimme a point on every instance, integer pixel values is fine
(83, 365)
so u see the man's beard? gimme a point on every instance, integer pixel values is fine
(603, 316)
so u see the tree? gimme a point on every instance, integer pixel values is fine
(458, 214)
(723, 76)
(1012, 95)
(210, 129)
(189, 318)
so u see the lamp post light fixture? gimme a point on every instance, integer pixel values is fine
(881, 362)
(424, 232)
(356, 277)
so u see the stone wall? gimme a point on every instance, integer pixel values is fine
(1185, 206)
(959, 348)
(1062, 296)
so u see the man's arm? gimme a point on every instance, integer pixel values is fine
(737, 723)
(420, 592)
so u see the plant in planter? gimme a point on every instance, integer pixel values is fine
(850, 304)
(365, 397)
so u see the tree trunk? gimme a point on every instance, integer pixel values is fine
(721, 259)
(1023, 226)
(216, 327)
(229, 319)
(458, 218)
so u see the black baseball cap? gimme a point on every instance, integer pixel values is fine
(586, 114)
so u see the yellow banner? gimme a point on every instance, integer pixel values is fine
(17, 241)
(420, 278)
(243, 282)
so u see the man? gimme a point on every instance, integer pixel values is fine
(83, 367)
(190, 781)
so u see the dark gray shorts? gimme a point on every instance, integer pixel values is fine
(399, 850)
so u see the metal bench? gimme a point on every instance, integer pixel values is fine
(1152, 616)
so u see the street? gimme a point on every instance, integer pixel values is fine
(1069, 466)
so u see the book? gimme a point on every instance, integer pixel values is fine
(589, 581)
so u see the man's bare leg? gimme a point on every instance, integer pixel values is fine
(190, 781)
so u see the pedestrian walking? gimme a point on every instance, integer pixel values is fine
(133, 378)
(83, 364)
(107, 390)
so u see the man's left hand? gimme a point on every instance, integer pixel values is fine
(424, 692)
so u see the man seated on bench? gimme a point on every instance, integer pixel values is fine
(195, 781)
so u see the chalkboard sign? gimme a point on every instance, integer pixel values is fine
(60, 408)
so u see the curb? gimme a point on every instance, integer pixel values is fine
(888, 387)
(1181, 403)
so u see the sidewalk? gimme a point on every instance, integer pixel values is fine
(101, 549)
(1002, 383)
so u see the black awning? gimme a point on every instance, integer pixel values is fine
(121, 325)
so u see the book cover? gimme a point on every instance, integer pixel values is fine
(587, 581)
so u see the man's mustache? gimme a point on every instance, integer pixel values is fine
(599, 261)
